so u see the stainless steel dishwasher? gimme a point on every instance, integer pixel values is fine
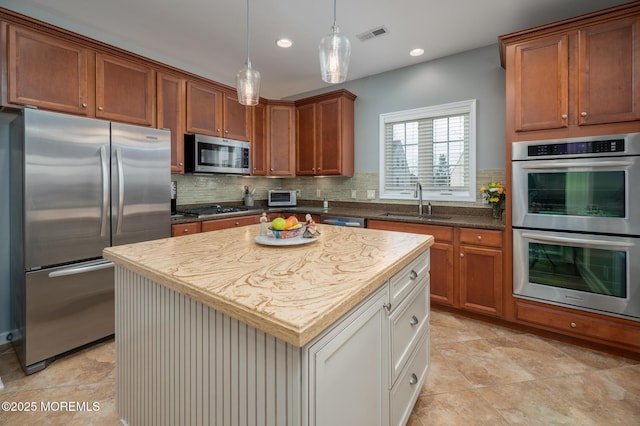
(354, 222)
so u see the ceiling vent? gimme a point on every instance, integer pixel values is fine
(375, 32)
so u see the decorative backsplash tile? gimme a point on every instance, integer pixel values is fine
(200, 189)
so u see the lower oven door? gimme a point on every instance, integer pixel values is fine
(593, 272)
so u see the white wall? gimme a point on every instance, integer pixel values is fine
(475, 74)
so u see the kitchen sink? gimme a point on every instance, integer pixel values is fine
(425, 218)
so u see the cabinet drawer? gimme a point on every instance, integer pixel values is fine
(408, 322)
(185, 229)
(402, 283)
(406, 390)
(214, 225)
(481, 237)
(611, 332)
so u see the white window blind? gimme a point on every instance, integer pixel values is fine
(434, 146)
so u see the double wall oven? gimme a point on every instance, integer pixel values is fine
(576, 223)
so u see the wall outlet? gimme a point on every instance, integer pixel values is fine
(297, 193)
(318, 193)
(354, 194)
(371, 194)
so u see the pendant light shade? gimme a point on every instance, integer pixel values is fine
(248, 78)
(335, 52)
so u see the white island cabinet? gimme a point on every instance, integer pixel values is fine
(214, 329)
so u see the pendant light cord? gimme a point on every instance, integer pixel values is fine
(334, 12)
(248, 60)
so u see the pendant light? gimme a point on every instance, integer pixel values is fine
(248, 79)
(335, 50)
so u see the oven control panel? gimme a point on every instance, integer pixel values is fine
(572, 148)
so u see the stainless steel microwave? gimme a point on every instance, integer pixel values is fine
(210, 154)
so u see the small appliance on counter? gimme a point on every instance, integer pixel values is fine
(174, 196)
(282, 198)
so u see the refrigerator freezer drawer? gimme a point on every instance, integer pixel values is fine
(68, 307)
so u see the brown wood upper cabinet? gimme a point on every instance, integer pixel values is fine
(259, 147)
(324, 134)
(47, 72)
(216, 112)
(170, 115)
(564, 78)
(59, 75)
(281, 138)
(125, 90)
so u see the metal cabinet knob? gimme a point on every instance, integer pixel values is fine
(100, 108)
(185, 230)
(226, 131)
(413, 379)
(564, 116)
(479, 237)
(583, 113)
(461, 254)
(414, 320)
(84, 105)
(573, 325)
(237, 223)
(218, 130)
(181, 164)
(413, 275)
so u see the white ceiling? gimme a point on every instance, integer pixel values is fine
(207, 37)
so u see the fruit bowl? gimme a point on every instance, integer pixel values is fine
(286, 233)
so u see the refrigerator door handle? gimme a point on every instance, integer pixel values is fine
(120, 190)
(104, 264)
(105, 190)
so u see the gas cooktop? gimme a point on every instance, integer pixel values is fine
(213, 210)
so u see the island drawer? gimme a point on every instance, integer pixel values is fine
(402, 283)
(404, 393)
(407, 324)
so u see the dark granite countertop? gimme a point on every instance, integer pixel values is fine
(471, 217)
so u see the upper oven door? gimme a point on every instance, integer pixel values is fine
(586, 194)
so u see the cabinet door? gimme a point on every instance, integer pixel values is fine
(236, 118)
(125, 91)
(340, 393)
(259, 150)
(46, 72)
(481, 279)
(171, 100)
(204, 109)
(541, 91)
(609, 79)
(329, 130)
(281, 140)
(442, 277)
(306, 140)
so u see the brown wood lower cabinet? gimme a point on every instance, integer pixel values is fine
(610, 331)
(180, 229)
(217, 224)
(466, 265)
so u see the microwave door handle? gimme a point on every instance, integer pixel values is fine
(577, 164)
(578, 241)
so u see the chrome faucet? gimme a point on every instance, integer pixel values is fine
(418, 193)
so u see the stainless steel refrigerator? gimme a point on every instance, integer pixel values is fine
(78, 185)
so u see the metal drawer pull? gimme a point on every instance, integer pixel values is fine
(413, 275)
(413, 379)
(414, 320)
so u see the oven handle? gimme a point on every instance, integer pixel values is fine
(577, 164)
(578, 241)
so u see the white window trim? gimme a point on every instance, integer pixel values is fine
(432, 111)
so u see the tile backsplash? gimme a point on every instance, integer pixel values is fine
(200, 189)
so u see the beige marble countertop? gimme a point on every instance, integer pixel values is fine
(293, 293)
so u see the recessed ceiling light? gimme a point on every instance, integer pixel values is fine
(416, 52)
(284, 43)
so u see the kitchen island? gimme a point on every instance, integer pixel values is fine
(214, 328)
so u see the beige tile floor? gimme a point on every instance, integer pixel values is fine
(480, 374)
